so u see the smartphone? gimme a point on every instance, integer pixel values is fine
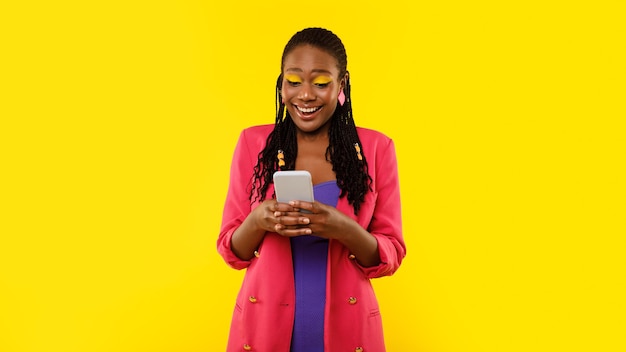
(293, 185)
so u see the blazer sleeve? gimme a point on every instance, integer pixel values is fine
(386, 222)
(237, 205)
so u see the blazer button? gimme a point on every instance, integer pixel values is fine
(352, 300)
(252, 299)
(247, 347)
(358, 349)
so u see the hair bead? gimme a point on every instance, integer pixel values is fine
(358, 151)
(281, 158)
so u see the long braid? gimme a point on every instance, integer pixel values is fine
(282, 137)
(350, 168)
(352, 173)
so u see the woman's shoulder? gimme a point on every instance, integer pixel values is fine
(255, 134)
(370, 136)
(263, 130)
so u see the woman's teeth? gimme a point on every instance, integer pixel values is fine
(308, 110)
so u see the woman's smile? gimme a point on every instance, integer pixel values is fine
(307, 113)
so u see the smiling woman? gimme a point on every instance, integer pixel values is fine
(309, 264)
(311, 87)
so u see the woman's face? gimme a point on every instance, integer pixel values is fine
(310, 88)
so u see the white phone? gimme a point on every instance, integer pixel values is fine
(293, 185)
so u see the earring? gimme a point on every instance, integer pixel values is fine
(281, 158)
(341, 97)
(358, 151)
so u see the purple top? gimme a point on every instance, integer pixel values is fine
(309, 265)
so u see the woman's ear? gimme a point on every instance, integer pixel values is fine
(344, 81)
(342, 86)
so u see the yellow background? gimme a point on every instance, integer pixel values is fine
(119, 118)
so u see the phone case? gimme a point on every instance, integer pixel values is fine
(293, 185)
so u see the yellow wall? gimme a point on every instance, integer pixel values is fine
(118, 121)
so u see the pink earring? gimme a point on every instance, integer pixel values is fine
(341, 97)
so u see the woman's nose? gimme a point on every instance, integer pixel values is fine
(306, 93)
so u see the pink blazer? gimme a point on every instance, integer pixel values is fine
(264, 311)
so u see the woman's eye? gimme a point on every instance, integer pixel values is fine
(322, 81)
(293, 83)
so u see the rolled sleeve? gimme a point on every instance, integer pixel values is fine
(237, 205)
(386, 223)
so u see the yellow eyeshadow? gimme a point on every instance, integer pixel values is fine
(322, 80)
(293, 78)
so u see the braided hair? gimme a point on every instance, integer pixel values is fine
(349, 163)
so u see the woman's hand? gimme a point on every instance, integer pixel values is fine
(282, 218)
(248, 236)
(289, 221)
(311, 218)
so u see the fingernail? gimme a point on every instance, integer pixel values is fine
(305, 220)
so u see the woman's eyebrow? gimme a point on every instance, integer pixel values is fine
(316, 70)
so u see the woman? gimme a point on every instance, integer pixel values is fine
(307, 282)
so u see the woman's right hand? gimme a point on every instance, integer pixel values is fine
(264, 215)
(277, 217)
(269, 216)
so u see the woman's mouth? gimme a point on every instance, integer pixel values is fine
(307, 112)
